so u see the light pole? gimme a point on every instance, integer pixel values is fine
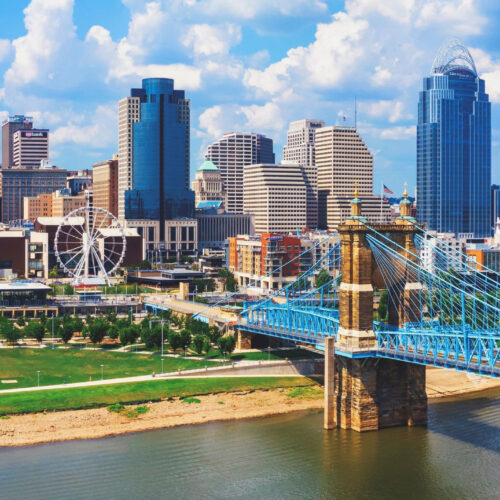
(102, 372)
(38, 376)
(53, 340)
(269, 353)
(162, 347)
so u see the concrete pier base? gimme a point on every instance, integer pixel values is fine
(369, 394)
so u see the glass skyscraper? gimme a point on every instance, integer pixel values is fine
(454, 146)
(160, 155)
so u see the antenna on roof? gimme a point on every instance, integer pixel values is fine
(355, 113)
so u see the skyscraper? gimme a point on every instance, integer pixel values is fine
(129, 112)
(9, 127)
(105, 185)
(160, 148)
(230, 154)
(300, 150)
(343, 161)
(29, 148)
(454, 146)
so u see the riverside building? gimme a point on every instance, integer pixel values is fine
(9, 128)
(454, 146)
(231, 154)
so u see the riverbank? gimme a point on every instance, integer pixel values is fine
(38, 428)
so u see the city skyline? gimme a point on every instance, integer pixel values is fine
(239, 67)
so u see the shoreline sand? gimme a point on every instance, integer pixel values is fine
(50, 427)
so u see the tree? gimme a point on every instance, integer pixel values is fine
(97, 331)
(185, 340)
(214, 333)
(207, 346)
(322, 278)
(129, 334)
(68, 289)
(53, 272)
(144, 265)
(21, 321)
(226, 344)
(113, 332)
(77, 324)
(199, 344)
(10, 332)
(151, 336)
(111, 317)
(230, 283)
(204, 285)
(35, 330)
(382, 306)
(67, 332)
(174, 339)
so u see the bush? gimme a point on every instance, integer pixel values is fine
(67, 332)
(116, 408)
(185, 339)
(145, 265)
(21, 321)
(68, 290)
(214, 333)
(151, 336)
(113, 332)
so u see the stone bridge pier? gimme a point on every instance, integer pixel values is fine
(363, 392)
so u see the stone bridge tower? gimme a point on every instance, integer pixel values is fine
(364, 392)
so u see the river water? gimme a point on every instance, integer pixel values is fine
(457, 456)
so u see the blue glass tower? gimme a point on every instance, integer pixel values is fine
(160, 155)
(454, 146)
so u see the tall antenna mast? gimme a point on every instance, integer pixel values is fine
(355, 113)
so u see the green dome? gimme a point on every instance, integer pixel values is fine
(208, 164)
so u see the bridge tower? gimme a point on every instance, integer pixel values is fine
(363, 392)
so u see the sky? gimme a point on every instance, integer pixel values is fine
(250, 66)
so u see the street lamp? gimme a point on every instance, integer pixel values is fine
(38, 376)
(102, 372)
(269, 353)
(162, 347)
(53, 340)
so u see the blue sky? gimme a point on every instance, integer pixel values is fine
(246, 65)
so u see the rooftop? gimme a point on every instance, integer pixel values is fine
(207, 165)
(22, 286)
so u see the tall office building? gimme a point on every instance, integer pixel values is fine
(276, 197)
(495, 205)
(230, 154)
(105, 185)
(207, 184)
(300, 150)
(160, 148)
(17, 183)
(30, 148)
(343, 161)
(129, 112)
(454, 146)
(9, 127)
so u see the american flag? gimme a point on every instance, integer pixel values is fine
(387, 190)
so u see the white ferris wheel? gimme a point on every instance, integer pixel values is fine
(90, 245)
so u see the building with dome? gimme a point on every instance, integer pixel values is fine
(454, 147)
(207, 185)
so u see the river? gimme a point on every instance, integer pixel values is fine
(457, 456)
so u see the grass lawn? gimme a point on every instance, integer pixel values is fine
(136, 392)
(76, 365)
(264, 355)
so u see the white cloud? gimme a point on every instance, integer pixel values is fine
(5, 49)
(101, 132)
(325, 62)
(207, 40)
(398, 10)
(462, 15)
(399, 133)
(489, 70)
(267, 117)
(212, 121)
(392, 110)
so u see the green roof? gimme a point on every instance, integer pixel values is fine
(208, 164)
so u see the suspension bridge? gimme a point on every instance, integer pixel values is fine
(443, 311)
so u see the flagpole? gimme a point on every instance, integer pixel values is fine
(381, 200)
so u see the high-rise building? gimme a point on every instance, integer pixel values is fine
(18, 183)
(129, 112)
(9, 127)
(344, 162)
(276, 196)
(207, 184)
(105, 185)
(160, 164)
(230, 154)
(495, 205)
(30, 148)
(454, 146)
(300, 150)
